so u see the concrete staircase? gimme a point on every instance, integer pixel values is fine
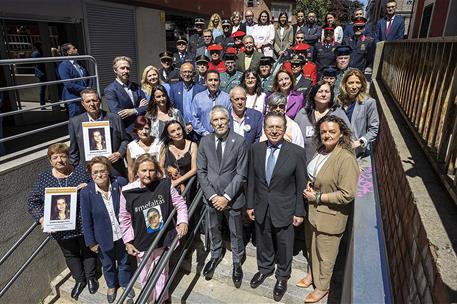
(189, 286)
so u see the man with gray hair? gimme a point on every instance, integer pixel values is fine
(124, 97)
(250, 58)
(222, 171)
(277, 102)
(245, 121)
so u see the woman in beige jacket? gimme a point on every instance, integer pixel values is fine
(333, 173)
(283, 35)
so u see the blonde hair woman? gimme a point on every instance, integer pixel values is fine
(151, 78)
(215, 25)
(360, 109)
(236, 22)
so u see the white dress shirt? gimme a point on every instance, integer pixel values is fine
(117, 232)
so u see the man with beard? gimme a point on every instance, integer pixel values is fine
(250, 59)
(226, 39)
(311, 29)
(231, 77)
(123, 96)
(392, 26)
(249, 23)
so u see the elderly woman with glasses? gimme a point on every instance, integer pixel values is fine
(277, 102)
(80, 260)
(102, 232)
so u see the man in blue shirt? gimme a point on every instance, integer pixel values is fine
(204, 101)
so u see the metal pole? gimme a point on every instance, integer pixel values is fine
(18, 242)
(19, 272)
(151, 249)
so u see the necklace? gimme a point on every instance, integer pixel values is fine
(66, 182)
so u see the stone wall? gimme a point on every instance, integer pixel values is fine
(416, 255)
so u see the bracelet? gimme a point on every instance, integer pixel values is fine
(318, 198)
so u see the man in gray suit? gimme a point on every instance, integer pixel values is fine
(222, 171)
(119, 140)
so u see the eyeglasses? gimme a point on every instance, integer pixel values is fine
(280, 106)
(101, 172)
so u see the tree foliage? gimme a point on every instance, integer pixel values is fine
(344, 9)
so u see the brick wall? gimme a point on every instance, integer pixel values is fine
(412, 260)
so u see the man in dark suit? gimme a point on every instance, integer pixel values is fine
(207, 41)
(245, 121)
(392, 27)
(222, 172)
(275, 201)
(182, 93)
(250, 58)
(69, 69)
(182, 55)
(119, 140)
(124, 97)
(311, 29)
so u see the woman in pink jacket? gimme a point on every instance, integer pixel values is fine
(145, 205)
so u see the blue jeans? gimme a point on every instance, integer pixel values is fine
(116, 274)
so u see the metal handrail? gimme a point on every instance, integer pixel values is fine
(18, 242)
(6, 62)
(153, 246)
(22, 268)
(154, 277)
(182, 255)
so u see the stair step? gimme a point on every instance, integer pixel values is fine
(223, 274)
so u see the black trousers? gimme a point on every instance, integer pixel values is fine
(274, 245)
(80, 259)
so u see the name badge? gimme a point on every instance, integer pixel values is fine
(309, 131)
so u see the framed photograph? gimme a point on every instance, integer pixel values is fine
(153, 219)
(60, 209)
(97, 139)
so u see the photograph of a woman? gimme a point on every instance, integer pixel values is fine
(154, 221)
(97, 139)
(60, 207)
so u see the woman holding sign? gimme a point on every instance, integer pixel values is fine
(80, 260)
(144, 205)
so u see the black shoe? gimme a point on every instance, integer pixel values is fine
(131, 294)
(77, 289)
(92, 285)
(258, 279)
(111, 297)
(211, 266)
(279, 290)
(237, 275)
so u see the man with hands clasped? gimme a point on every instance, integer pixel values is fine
(274, 201)
(222, 172)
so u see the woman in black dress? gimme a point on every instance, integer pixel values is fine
(178, 156)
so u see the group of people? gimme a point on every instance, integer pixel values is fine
(272, 128)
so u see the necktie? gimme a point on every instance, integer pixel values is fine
(389, 24)
(219, 150)
(79, 69)
(271, 161)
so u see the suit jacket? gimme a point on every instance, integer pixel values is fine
(255, 61)
(72, 89)
(365, 121)
(286, 41)
(119, 139)
(338, 179)
(202, 51)
(284, 195)
(253, 119)
(397, 29)
(172, 76)
(177, 59)
(312, 32)
(184, 106)
(117, 99)
(95, 219)
(229, 177)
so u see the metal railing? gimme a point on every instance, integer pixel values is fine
(27, 262)
(10, 62)
(421, 77)
(155, 243)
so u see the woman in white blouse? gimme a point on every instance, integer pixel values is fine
(264, 34)
(255, 97)
(146, 143)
